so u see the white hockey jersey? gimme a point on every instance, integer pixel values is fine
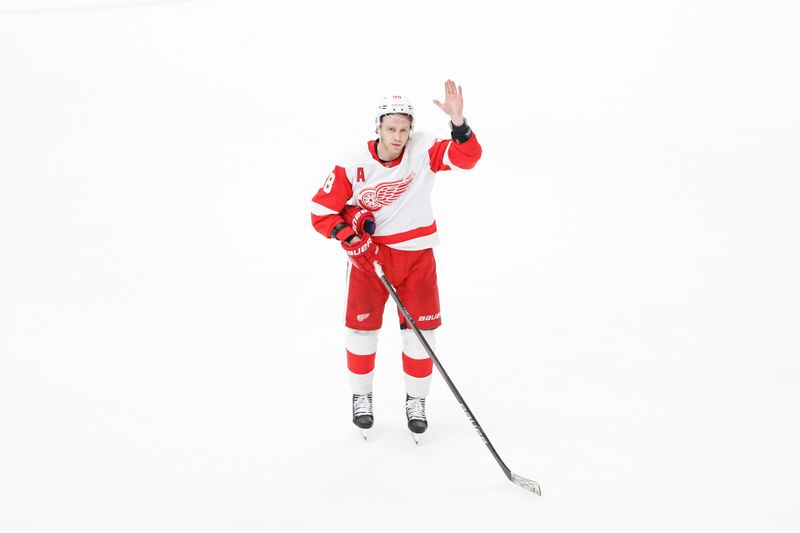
(398, 193)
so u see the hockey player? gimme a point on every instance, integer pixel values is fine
(377, 203)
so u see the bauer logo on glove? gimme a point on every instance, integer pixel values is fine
(361, 253)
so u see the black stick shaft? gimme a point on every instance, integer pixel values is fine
(441, 370)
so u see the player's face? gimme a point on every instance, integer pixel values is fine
(394, 133)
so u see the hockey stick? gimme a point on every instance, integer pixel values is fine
(527, 484)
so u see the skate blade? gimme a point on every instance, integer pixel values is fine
(416, 437)
(363, 433)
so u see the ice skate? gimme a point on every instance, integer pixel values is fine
(362, 412)
(415, 412)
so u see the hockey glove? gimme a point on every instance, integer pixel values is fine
(362, 253)
(361, 220)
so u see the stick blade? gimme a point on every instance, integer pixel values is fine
(527, 484)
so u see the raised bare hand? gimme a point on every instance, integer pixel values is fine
(453, 102)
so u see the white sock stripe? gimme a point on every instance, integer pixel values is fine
(413, 348)
(361, 342)
(417, 387)
(361, 383)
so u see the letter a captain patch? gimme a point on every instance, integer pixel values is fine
(360, 174)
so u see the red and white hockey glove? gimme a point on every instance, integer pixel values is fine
(362, 253)
(361, 220)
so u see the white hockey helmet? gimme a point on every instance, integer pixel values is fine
(393, 104)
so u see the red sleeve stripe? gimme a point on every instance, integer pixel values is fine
(324, 225)
(360, 364)
(418, 368)
(463, 156)
(406, 235)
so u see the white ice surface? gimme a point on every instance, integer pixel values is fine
(619, 275)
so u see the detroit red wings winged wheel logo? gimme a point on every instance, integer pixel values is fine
(385, 194)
